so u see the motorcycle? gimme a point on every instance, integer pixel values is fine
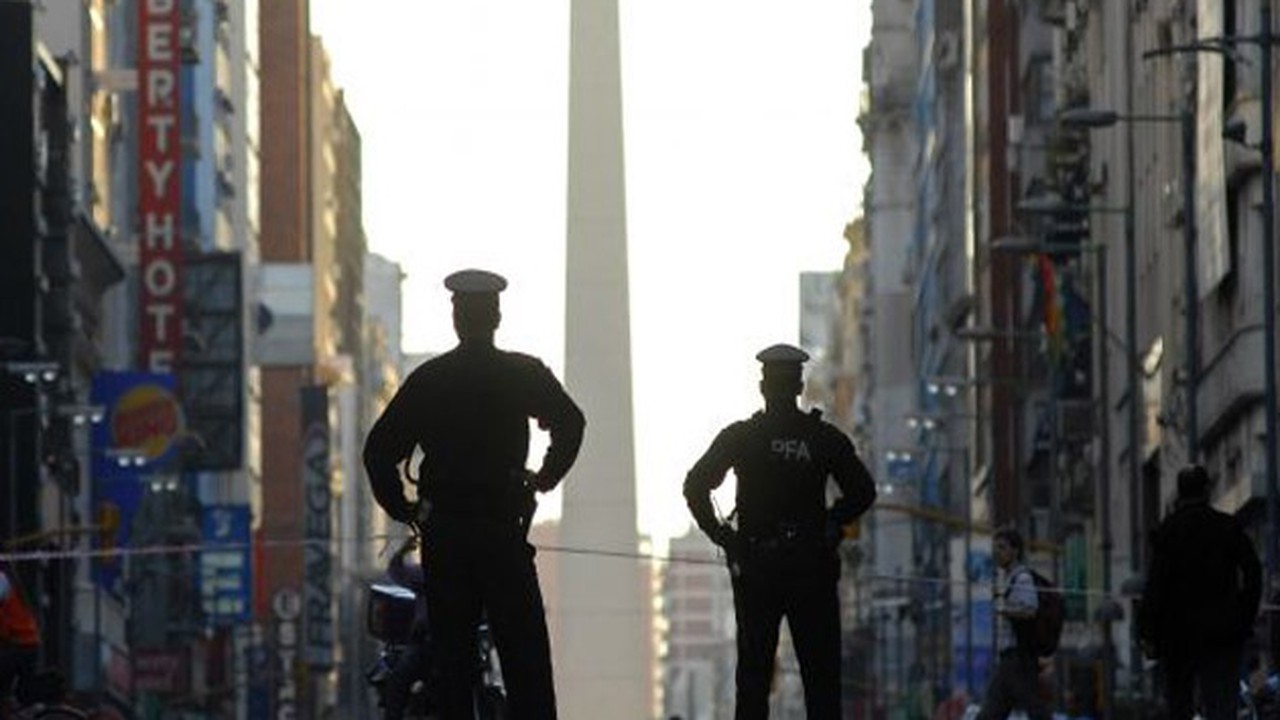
(390, 620)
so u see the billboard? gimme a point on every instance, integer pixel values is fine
(159, 162)
(225, 579)
(318, 601)
(211, 378)
(166, 672)
(143, 422)
(972, 664)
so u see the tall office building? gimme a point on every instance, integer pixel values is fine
(601, 641)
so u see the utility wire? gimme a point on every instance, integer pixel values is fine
(45, 555)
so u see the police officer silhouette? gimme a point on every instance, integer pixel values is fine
(469, 411)
(782, 554)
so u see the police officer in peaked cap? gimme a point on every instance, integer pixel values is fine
(469, 410)
(782, 553)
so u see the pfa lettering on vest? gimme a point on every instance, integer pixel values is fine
(790, 449)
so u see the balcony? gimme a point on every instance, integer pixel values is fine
(1230, 384)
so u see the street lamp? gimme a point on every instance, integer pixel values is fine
(38, 374)
(81, 415)
(916, 422)
(898, 455)
(1092, 118)
(78, 415)
(967, 551)
(1030, 246)
(949, 389)
(126, 457)
(938, 421)
(1226, 45)
(967, 548)
(1051, 205)
(1104, 435)
(34, 373)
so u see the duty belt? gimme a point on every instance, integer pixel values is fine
(499, 507)
(782, 535)
(495, 509)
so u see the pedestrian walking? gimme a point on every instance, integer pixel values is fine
(468, 410)
(1015, 683)
(1203, 587)
(782, 553)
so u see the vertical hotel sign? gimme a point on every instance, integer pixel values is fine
(159, 156)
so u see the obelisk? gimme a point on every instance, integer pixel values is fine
(601, 648)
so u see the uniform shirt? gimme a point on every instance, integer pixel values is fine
(1019, 595)
(783, 460)
(469, 411)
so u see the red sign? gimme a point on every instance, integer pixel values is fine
(160, 165)
(161, 671)
(119, 674)
(148, 418)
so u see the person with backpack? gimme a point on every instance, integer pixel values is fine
(1203, 588)
(1015, 683)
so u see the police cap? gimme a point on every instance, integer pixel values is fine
(471, 282)
(782, 354)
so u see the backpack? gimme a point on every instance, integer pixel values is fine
(1046, 626)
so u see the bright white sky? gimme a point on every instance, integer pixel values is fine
(744, 164)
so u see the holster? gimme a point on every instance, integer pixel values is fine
(528, 509)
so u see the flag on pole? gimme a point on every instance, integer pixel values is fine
(1051, 302)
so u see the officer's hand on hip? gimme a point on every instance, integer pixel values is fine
(409, 545)
(421, 516)
(726, 537)
(540, 482)
(832, 534)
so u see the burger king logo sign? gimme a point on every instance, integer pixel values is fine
(148, 418)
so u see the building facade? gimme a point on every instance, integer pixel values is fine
(1085, 318)
(699, 631)
(890, 68)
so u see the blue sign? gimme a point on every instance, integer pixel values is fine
(226, 575)
(142, 420)
(981, 570)
(980, 654)
(901, 468)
